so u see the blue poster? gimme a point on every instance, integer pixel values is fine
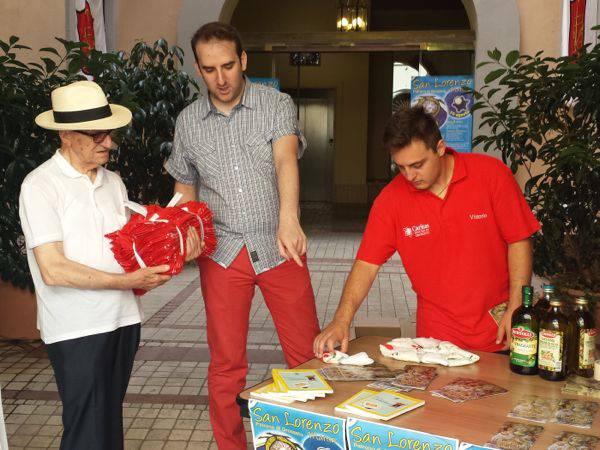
(444, 97)
(275, 426)
(364, 435)
(467, 446)
(272, 82)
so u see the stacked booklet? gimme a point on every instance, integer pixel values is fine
(384, 405)
(290, 385)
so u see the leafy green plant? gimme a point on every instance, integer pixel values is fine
(24, 93)
(543, 115)
(147, 81)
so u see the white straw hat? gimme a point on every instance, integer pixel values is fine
(82, 105)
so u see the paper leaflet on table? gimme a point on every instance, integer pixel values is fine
(375, 371)
(301, 380)
(384, 405)
(566, 440)
(461, 390)
(516, 435)
(290, 385)
(534, 408)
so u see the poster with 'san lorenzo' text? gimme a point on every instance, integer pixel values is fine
(447, 100)
(283, 427)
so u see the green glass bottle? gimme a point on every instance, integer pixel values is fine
(524, 336)
(583, 348)
(553, 345)
(543, 303)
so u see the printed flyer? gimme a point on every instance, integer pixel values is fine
(365, 435)
(282, 427)
(444, 97)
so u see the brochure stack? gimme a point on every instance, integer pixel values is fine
(291, 385)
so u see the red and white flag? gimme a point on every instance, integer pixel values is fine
(579, 16)
(87, 19)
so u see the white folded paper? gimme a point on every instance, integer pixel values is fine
(427, 350)
(359, 359)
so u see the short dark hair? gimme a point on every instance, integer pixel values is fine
(218, 31)
(409, 124)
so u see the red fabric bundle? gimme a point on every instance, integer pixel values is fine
(160, 237)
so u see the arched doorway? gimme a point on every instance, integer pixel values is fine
(496, 24)
(357, 174)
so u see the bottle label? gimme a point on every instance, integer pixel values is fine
(523, 346)
(551, 350)
(587, 348)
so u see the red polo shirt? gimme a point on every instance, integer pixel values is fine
(454, 249)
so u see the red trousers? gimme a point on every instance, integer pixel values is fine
(228, 297)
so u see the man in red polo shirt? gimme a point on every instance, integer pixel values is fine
(462, 227)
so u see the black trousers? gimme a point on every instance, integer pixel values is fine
(92, 374)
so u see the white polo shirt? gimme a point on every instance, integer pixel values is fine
(58, 203)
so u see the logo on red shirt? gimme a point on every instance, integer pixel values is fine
(479, 216)
(417, 230)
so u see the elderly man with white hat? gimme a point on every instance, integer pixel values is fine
(88, 316)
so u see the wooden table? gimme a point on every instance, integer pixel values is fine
(473, 421)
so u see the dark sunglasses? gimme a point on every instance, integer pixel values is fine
(98, 136)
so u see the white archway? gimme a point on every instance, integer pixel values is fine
(496, 24)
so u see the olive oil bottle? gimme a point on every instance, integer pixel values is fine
(583, 348)
(553, 347)
(524, 336)
(543, 303)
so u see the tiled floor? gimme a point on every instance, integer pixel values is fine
(167, 397)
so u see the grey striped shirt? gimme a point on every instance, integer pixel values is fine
(230, 158)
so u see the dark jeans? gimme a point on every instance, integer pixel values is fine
(92, 374)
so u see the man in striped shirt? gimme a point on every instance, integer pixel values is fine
(237, 149)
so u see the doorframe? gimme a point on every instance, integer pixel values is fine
(366, 41)
(330, 94)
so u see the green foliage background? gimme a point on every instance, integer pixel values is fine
(147, 80)
(544, 114)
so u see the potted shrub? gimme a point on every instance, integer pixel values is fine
(543, 115)
(24, 93)
(148, 81)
